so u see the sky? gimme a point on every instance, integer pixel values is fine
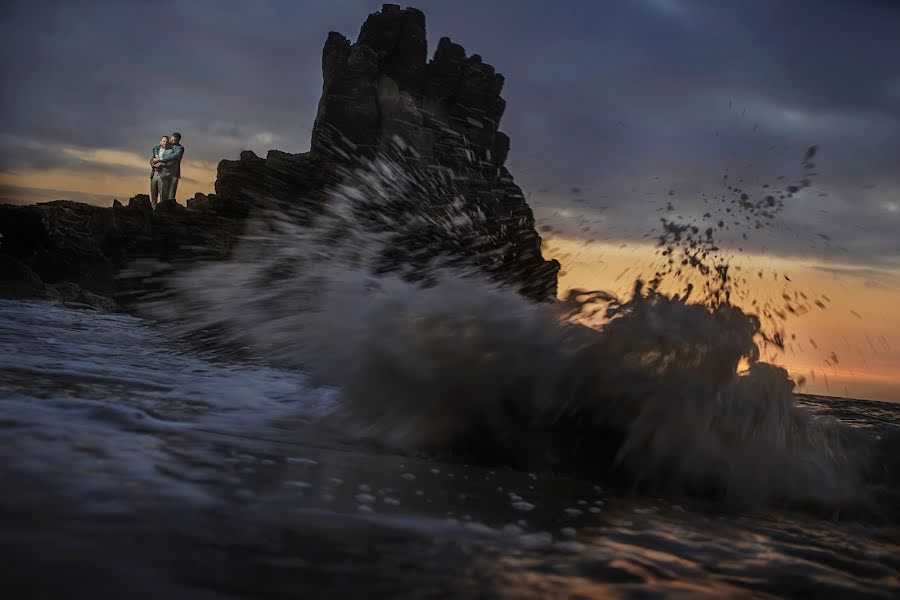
(615, 109)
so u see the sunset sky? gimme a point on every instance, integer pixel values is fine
(615, 109)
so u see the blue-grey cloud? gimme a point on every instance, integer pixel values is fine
(623, 100)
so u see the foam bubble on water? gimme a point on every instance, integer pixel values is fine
(480, 528)
(646, 511)
(245, 494)
(536, 540)
(298, 484)
(570, 546)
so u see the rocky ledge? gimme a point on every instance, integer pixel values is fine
(376, 91)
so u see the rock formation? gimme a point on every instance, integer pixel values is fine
(447, 110)
(375, 91)
(75, 252)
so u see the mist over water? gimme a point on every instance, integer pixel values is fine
(431, 355)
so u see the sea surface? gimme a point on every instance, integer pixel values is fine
(138, 466)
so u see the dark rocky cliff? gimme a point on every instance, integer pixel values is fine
(446, 110)
(376, 91)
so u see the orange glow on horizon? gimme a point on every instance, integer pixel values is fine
(42, 185)
(865, 340)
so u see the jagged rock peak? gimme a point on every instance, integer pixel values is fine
(398, 38)
(448, 109)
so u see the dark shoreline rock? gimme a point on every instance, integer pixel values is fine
(63, 242)
(376, 91)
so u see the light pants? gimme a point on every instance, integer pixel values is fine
(160, 187)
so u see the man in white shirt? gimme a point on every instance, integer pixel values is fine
(173, 162)
(161, 171)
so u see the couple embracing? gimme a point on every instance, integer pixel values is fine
(165, 168)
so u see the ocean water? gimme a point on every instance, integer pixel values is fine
(136, 467)
(311, 418)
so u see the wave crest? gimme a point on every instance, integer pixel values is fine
(432, 355)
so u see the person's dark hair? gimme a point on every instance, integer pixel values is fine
(176, 136)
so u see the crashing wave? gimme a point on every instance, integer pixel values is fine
(433, 355)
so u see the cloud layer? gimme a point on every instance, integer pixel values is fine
(625, 101)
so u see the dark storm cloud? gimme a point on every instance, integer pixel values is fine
(118, 75)
(685, 92)
(623, 100)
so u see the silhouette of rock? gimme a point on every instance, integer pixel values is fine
(169, 206)
(447, 111)
(296, 180)
(376, 91)
(89, 246)
(141, 201)
(19, 280)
